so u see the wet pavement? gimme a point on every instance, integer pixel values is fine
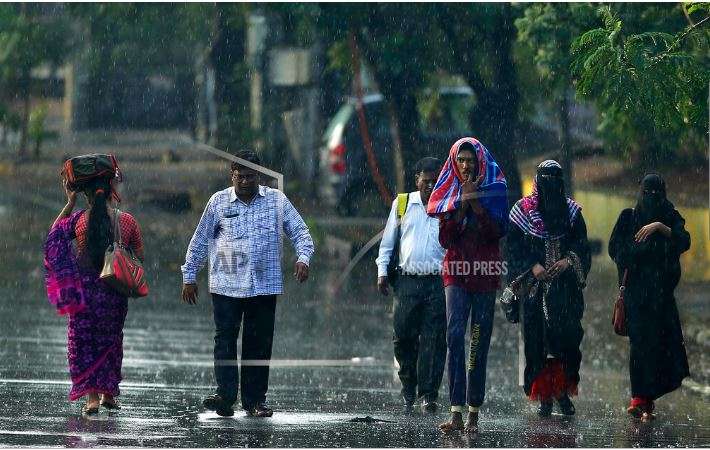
(333, 362)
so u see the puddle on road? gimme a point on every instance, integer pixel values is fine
(87, 436)
(281, 418)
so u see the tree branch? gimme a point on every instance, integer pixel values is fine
(662, 55)
(445, 21)
(685, 13)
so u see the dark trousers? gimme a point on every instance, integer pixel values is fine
(479, 306)
(420, 335)
(257, 339)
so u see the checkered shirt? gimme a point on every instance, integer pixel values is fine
(243, 243)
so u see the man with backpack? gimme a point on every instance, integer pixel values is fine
(410, 260)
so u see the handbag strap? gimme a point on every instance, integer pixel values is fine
(519, 279)
(117, 226)
(622, 288)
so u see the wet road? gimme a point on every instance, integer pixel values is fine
(332, 363)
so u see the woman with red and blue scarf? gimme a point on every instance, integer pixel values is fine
(470, 200)
(548, 245)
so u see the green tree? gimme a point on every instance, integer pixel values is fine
(132, 41)
(478, 40)
(37, 128)
(390, 39)
(177, 41)
(548, 30)
(405, 45)
(30, 37)
(649, 86)
(227, 55)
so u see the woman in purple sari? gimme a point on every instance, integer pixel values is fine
(96, 312)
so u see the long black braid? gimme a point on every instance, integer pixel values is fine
(100, 229)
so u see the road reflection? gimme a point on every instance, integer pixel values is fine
(549, 432)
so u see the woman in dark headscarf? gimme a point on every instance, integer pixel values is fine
(549, 252)
(646, 244)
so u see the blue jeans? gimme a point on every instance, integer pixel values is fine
(479, 306)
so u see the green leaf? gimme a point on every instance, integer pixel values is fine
(699, 6)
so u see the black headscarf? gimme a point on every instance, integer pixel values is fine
(552, 199)
(652, 204)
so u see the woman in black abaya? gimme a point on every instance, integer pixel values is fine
(647, 241)
(548, 245)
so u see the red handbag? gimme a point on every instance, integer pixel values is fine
(122, 270)
(618, 317)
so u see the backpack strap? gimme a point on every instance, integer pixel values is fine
(402, 203)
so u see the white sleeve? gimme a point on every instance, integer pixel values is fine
(388, 241)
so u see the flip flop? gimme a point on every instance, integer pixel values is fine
(110, 405)
(89, 411)
(450, 427)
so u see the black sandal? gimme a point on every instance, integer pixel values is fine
(566, 405)
(215, 403)
(260, 410)
(545, 408)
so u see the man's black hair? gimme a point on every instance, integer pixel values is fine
(248, 155)
(428, 164)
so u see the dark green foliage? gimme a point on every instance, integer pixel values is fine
(650, 87)
(31, 36)
(548, 29)
(645, 68)
(477, 41)
(121, 45)
(227, 55)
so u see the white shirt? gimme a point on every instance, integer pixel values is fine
(419, 251)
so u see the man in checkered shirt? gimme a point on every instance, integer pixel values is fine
(239, 234)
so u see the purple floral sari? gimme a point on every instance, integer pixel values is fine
(96, 314)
